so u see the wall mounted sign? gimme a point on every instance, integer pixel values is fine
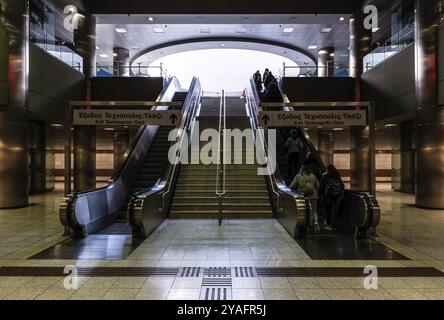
(126, 117)
(331, 118)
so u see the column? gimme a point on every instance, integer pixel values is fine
(120, 62)
(85, 136)
(121, 144)
(362, 175)
(84, 158)
(326, 62)
(14, 171)
(326, 146)
(360, 44)
(430, 104)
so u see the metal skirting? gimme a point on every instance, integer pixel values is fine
(351, 272)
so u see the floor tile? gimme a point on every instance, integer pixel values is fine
(248, 294)
(152, 294)
(279, 294)
(311, 294)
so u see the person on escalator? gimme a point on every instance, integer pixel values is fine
(266, 72)
(312, 162)
(307, 184)
(257, 77)
(269, 79)
(272, 94)
(331, 192)
(294, 148)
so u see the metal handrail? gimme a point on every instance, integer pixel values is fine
(220, 193)
(186, 125)
(254, 116)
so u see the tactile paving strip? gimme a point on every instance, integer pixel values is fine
(236, 272)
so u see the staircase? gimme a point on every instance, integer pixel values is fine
(246, 193)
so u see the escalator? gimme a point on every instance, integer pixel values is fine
(104, 210)
(359, 212)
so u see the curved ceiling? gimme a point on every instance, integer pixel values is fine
(298, 56)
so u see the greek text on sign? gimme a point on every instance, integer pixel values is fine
(126, 117)
(344, 118)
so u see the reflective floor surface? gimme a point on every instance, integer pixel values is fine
(262, 245)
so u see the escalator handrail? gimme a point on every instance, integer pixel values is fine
(127, 156)
(168, 174)
(275, 178)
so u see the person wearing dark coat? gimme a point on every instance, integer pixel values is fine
(331, 192)
(270, 78)
(272, 93)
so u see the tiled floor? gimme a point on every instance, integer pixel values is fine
(414, 232)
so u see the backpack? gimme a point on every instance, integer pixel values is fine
(334, 188)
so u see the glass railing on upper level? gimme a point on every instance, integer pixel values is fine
(114, 69)
(310, 71)
(404, 38)
(60, 51)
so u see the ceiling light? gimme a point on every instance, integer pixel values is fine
(120, 30)
(103, 55)
(56, 125)
(375, 30)
(288, 30)
(241, 30)
(390, 125)
(115, 54)
(338, 129)
(312, 47)
(150, 19)
(159, 30)
(341, 19)
(332, 54)
(223, 45)
(326, 29)
(108, 129)
(205, 30)
(97, 48)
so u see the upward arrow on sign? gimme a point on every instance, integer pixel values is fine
(173, 119)
(266, 119)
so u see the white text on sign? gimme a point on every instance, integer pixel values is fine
(126, 117)
(344, 118)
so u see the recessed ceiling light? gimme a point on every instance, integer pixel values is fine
(151, 19)
(205, 30)
(108, 129)
(341, 19)
(288, 30)
(312, 47)
(56, 125)
(375, 30)
(332, 54)
(222, 45)
(120, 30)
(115, 54)
(103, 55)
(326, 29)
(97, 48)
(159, 30)
(338, 129)
(390, 125)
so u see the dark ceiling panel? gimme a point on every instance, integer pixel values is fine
(222, 7)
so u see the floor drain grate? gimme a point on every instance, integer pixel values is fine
(217, 272)
(244, 272)
(190, 272)
(218, 293)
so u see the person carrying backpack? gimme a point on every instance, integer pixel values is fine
(307, 184)
(331, 192)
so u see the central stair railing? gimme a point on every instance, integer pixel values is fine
(221, 173)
